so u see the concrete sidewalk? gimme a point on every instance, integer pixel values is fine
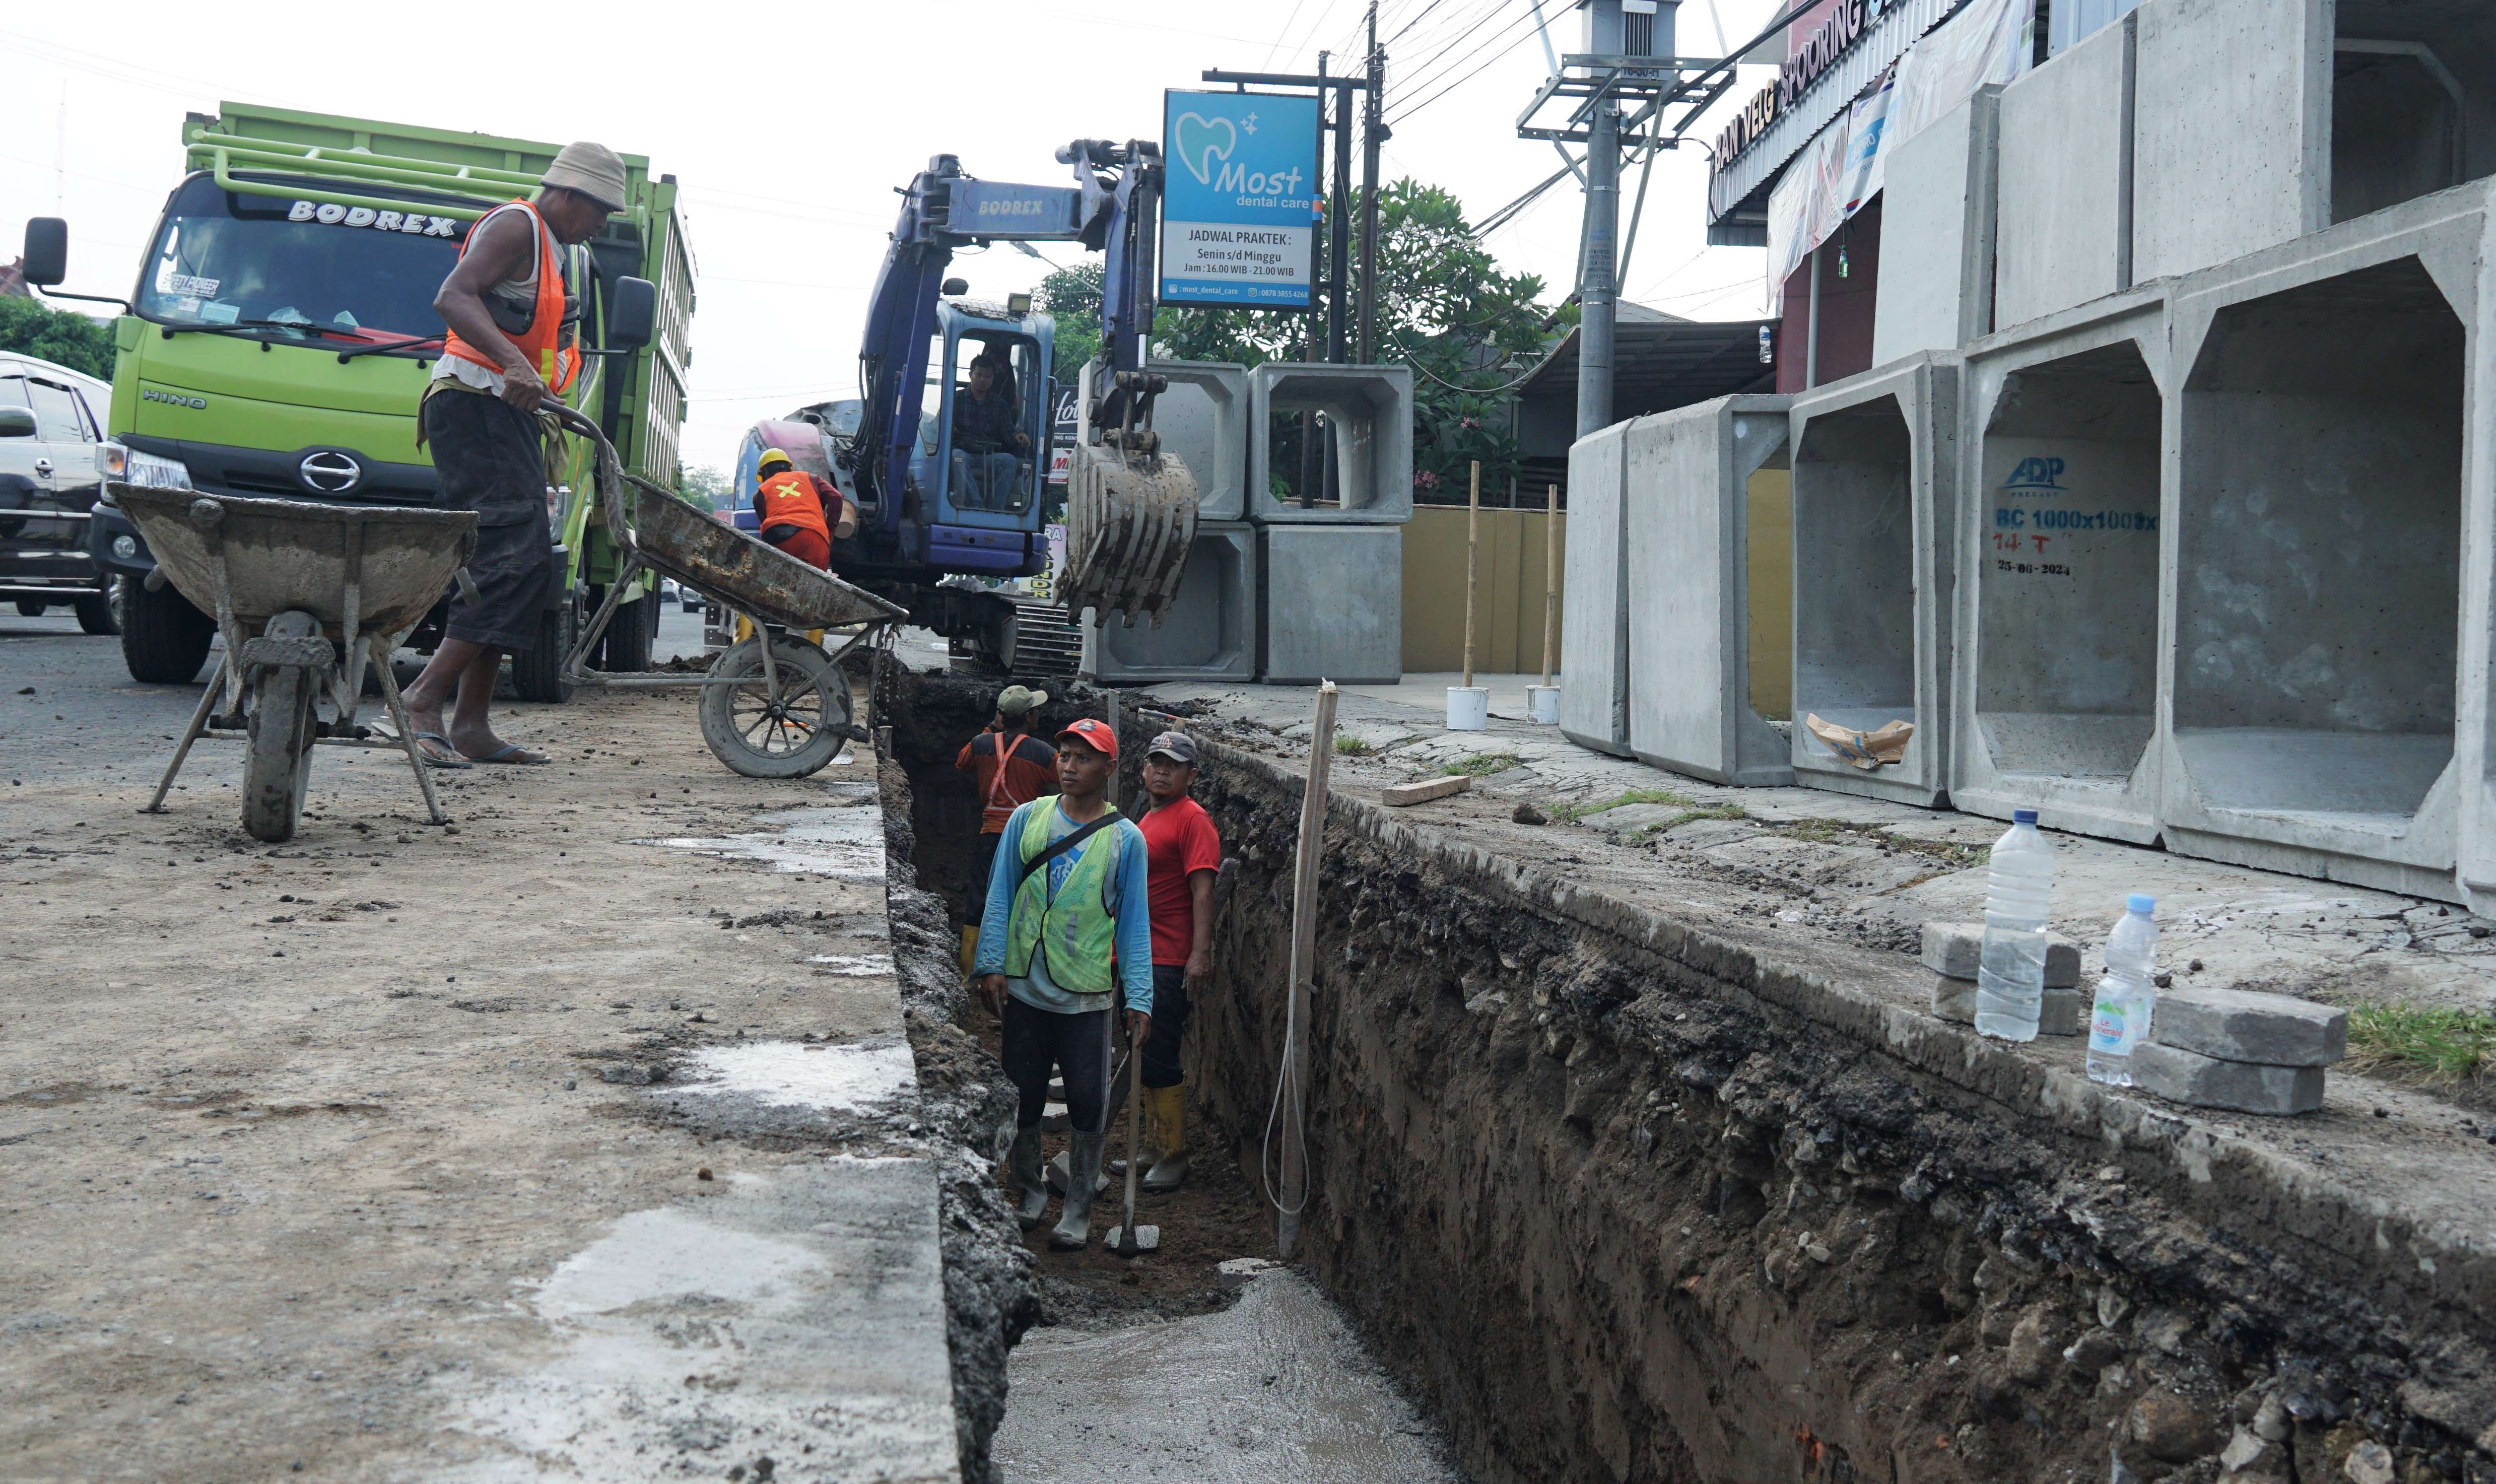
(581, 1142)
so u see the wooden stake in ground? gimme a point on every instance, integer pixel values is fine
(1289, 1110)
(1473, 567)
(1551, 582)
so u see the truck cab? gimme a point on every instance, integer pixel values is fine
(281, 333)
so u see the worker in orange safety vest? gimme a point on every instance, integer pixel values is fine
(797, 512)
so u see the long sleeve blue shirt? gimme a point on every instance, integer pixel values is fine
(1130, 913)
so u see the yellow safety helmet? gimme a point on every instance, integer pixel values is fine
(771, 457)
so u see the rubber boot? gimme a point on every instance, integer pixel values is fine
(970, 946)
(1073, 1226)
(1022, 1176)
(1169, 1108)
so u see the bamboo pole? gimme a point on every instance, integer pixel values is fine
(1473, 567)
(1551, 582)
(1305, 951)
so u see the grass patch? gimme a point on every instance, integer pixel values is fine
(1572, 812)
(2453, 1049)
(1481, 764)
(1715, 812)
(1948, 856)
(1351, 745)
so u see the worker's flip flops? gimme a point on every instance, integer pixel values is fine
(514, 754)
(448, 757)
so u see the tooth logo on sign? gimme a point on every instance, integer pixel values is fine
(1202, 142)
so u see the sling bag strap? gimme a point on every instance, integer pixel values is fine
(1064, 844)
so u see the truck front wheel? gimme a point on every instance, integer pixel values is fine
(100, 611)
(164, 639)
(537, 674)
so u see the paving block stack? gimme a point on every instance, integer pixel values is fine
(2241, 1049)
(1953, 951)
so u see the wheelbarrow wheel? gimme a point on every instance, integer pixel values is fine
(788, 734)
(277, 764)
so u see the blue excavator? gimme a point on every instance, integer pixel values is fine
(941, 496)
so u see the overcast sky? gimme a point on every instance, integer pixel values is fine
(790, 126)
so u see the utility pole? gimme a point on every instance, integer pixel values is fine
(1315, 469)
(1372, 136)
(1629, 60)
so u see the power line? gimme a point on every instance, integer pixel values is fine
(1505, 47)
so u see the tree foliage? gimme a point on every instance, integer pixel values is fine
(707, 485)
(1446, 309)
(63, 336)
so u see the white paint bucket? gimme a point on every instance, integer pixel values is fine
(1468, 708)
(1542, 704)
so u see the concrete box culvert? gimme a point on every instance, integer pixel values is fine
(1370, 409)
(2058, 629)
(1875, 480)
(1702, 595)
(1209, 631)
(2331, 470)
(1593, 596)
(1203, 420)
(1332, 606)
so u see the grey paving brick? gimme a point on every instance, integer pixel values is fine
(2242, 1024)
(2064, 1012)
(1954, 949)
(2188, 1076)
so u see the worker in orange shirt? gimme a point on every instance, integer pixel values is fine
(1013, 767)
(797, 512)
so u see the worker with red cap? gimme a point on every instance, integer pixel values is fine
(1067, 934)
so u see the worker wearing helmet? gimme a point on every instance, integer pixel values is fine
(796, 511)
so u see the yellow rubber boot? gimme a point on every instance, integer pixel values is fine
(970, 946)
(1169, 1108)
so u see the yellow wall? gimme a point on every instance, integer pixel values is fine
(1508, 617)
(1770, 564)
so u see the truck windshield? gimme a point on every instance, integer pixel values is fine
(269, 261)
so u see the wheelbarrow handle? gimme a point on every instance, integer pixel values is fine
(467, 586)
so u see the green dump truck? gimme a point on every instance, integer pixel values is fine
(282, 331)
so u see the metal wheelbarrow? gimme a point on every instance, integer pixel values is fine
(777, 705)
(307, 598)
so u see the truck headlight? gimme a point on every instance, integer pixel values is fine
(147, 471)
(125, 546)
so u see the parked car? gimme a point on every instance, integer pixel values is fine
(692, 599)
(52, 419)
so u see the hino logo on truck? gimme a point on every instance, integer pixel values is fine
(174, 398)
(413, 223)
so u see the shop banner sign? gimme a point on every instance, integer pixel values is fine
(1239, 202)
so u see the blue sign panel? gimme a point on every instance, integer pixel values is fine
(1240, 204)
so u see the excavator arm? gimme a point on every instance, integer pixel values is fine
(1131, 513)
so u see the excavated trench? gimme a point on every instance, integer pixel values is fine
(1618, 1200)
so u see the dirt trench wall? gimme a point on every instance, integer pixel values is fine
(1631, 1204)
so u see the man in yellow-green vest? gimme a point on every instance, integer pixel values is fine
(1067, 934)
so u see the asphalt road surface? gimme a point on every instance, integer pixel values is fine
(85, 717)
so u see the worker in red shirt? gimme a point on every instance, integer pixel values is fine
(1012, 766)
(1183, 855)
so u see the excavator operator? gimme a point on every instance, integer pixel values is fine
(796, 511)
(987, 438)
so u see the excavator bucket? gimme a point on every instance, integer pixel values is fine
(1129, 523)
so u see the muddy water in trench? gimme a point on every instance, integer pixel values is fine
(1275, 1389)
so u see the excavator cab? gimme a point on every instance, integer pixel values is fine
(984, 423)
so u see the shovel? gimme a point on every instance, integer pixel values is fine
(1130, 1239)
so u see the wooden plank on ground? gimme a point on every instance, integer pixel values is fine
(1397, 795)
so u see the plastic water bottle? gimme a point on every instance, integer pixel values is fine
(2120, 1019)
(2018, 894)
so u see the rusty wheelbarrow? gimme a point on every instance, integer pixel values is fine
(307, 598)
(777, 705)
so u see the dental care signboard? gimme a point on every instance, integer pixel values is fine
(1239, 202)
